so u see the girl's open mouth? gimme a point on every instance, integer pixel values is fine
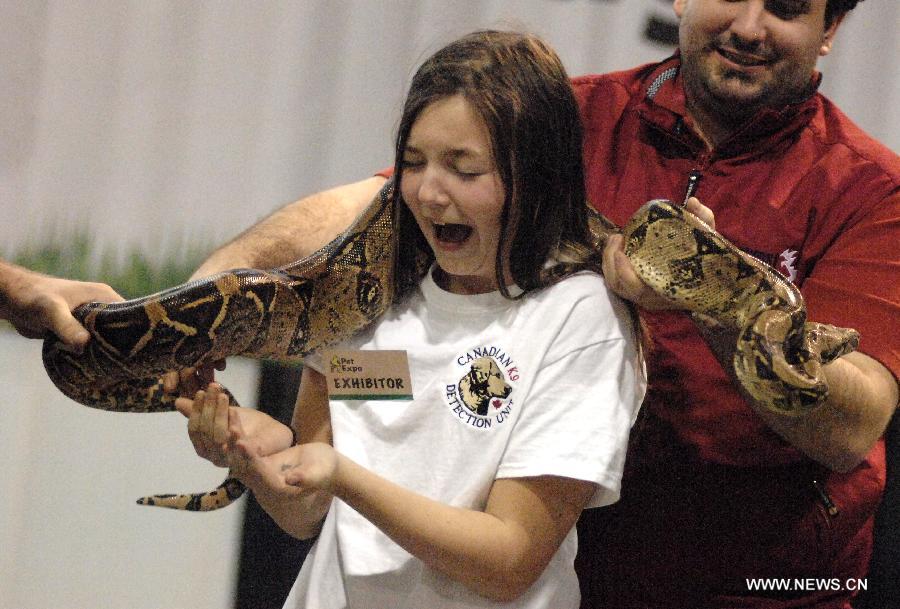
(452, 233)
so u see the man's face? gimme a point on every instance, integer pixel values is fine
(743, 55)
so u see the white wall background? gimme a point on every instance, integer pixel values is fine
(71, 534)
(159, 124)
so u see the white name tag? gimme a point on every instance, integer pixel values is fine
(368, 375)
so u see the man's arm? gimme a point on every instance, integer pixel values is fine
(863, 394)
(840, 433)
(294, 231)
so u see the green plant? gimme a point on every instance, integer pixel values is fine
(133, 275)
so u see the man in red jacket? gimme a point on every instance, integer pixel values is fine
(724, 504)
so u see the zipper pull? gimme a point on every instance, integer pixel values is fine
(693, 182)
(829, 505)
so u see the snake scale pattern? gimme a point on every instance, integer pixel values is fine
(283, 314)
(754, 319)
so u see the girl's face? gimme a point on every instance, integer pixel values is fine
(451, 185)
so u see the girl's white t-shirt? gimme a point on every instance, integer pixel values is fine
(558, 380)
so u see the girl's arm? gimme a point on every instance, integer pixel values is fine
(498, 552)
(299, 512)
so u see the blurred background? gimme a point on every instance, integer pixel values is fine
(136, 136)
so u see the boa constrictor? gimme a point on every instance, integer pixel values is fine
(282, 314)
(754, 319)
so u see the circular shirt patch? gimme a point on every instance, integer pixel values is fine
(480, 393)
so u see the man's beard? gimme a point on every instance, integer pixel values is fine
(728, 96)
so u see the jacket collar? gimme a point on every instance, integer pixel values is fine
(663, 109)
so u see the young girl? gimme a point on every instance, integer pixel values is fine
(525, 370)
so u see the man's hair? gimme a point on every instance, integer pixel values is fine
(517, 85)
(835, 8)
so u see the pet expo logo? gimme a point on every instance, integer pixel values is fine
(480, 393)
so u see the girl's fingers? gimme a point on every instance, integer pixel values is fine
(208, 412)
(220, 419)
(185, 406)
(196, 413)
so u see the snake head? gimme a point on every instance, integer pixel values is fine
(599, 228)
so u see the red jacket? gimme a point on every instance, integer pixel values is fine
(810, 193)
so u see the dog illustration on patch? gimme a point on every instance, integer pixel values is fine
(483, 381)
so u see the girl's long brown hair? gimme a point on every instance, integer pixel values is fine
(519, 88)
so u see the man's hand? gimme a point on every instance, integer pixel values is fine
(36, 304)
(619, 272)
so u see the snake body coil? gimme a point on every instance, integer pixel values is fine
(752, 317)
(282, 314)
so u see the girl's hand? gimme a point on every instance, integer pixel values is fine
(298, 510)
(214, 427)
(188, 381)
(300, 469)
(312, 466)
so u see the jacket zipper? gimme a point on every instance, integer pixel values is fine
(702, 161)
(694, 178)
(826, 501)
